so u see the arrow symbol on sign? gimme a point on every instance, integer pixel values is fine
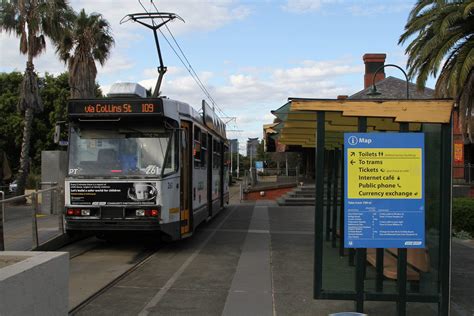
(352, 153)
(352, 162)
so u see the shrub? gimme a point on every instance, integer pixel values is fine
(32, 181)
(463, 215)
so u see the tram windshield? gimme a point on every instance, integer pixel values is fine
(122, 151)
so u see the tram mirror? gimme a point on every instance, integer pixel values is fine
(57, 134)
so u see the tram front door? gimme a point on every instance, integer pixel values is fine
(186, 179)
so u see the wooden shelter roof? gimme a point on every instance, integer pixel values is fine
(299, 117)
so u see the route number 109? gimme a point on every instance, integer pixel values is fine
(147, 108)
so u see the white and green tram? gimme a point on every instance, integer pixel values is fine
(143, 164)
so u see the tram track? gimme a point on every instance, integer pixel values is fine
(92, 255)
(113, 282)
(96, 266)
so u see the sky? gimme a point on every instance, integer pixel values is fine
(251, 55)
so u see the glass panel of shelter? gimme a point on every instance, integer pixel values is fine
(423, 265)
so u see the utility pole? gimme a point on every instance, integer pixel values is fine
(238, 163)
(231, 169)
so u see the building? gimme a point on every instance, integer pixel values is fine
(394, 88)
(387, 88)
(234, 145)
(252, 145)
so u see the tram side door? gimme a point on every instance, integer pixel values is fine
(210, 150)
(186, 179)
(221, 174)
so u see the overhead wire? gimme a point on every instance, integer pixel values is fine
(187, 64)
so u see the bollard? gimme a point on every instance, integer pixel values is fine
(34, 200)
(58, 210)
(240, 191)
(2, 212)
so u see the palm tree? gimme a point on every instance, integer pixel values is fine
(442, 37)
(32, 21)
(89, 39)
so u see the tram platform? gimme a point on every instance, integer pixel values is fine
(252, 259)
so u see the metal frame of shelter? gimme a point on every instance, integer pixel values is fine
(321, 124)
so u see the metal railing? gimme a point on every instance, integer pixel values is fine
(270, 175)
(55, 208)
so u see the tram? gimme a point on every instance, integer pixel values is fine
(143, 164)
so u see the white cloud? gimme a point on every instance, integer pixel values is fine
(116, 63)
(199, 16)
(12, 60)
(172, 71)
(371, 7)
(353, 7)
(250, 96)
(304, 6)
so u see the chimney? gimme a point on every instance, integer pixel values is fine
(372, 63)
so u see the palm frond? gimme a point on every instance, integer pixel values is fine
(440, 35)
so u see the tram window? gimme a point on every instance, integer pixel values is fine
(226, 156)
(216, 161)
(203, 149)
(197, 147)
(171, 162)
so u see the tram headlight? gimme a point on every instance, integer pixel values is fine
(140, 213)
(86, 212)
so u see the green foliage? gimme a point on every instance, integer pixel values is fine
(440, 36)
(55, 92)
(463, 215)
(10, 119)
(89, 39)
(33, 180)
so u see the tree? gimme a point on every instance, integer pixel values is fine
(90, 40)
(32, 21)
(54, 93)
(10, 119)
(442, 37)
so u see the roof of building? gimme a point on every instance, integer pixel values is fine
(394, 88)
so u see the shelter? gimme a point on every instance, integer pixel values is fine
(399, 275)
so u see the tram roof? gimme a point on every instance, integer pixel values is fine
(298, 117)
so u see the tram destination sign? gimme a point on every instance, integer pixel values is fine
(114, 107)
(384, 199)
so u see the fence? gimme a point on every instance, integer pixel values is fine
(465, 173)
(25, 226)
(255, 177)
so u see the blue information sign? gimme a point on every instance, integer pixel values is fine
(384, 199)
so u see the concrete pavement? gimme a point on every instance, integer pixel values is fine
(253, 259)
(18, 227)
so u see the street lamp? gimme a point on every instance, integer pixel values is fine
(373, 90)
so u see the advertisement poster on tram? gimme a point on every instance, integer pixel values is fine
(384, 198)
(113, 193)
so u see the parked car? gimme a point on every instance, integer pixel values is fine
(13, 186)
